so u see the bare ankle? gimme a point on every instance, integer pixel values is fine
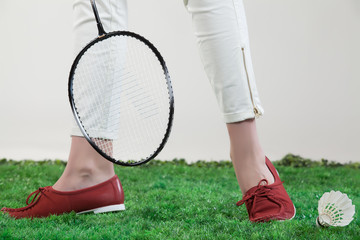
(250, 170)
(75, 179)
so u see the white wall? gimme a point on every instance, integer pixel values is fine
(306, 59)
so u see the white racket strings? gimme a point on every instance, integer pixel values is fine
(121, 98)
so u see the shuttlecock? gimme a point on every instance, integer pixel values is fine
(335, 209)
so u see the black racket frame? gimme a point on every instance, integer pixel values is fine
(103, 36)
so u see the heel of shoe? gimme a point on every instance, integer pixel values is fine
(111, 208)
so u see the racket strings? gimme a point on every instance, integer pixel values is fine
(121, 98)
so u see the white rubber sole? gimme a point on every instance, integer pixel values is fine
(111, 208)
(294, 213)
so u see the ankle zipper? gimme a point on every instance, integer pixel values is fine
(256, 111)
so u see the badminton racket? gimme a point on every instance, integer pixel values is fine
(121, 96)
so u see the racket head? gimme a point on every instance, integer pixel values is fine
(100, 143)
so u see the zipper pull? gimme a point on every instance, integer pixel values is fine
(257, 112)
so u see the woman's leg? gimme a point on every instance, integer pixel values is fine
(221, 31)
(247, 155)
(85, 166)
(222, 36)
(88, 183)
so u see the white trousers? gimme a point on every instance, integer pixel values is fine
(221, 31)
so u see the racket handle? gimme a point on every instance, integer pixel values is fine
(98, 21)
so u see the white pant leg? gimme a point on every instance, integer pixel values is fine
(113, 14)
(222, 36)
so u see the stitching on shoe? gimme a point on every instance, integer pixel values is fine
(262, 191)
(31, 204)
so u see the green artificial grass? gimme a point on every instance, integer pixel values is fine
(174, 200)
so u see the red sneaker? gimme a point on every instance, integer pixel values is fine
(266, 202)
(104, 197)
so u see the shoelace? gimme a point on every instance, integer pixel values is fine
(36, 197)
(261, 191)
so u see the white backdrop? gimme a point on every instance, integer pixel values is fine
(306, 60)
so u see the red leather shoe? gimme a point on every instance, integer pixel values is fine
(266, 202)
(107, 196)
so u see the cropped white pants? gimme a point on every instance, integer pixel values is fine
(222, 36)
